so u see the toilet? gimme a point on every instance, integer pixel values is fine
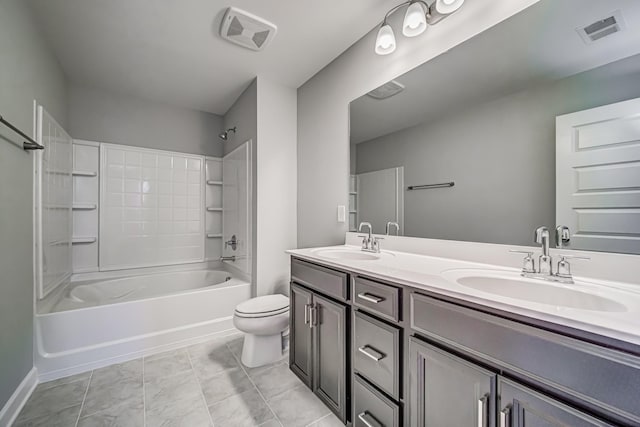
(264, 320)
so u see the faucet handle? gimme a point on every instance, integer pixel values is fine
(365, 241)
(528, 264)
(375, 244)
(564, 268)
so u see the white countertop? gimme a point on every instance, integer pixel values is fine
(425, 272)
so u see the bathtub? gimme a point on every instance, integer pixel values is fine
(95, 323)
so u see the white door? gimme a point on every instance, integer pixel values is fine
(598, 177)
(381, 198)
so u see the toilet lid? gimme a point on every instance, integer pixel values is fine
(268, 305)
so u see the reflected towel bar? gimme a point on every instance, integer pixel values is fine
(29, 144)
(429, 186)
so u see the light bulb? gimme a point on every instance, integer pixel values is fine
(415, 21)
(446, 7)
(385, 41)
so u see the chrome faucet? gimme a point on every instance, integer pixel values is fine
(545, 270)
(393, 224)
(369, 243)
(544, 262)
(563, 236)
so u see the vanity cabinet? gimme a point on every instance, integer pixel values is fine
(319, 328)
(300, 336)
(520, 406)
(448, 391)
(383, 354)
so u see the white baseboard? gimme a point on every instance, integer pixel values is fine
(16, 402)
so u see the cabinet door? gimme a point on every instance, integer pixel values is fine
(448, 391)
(300, 334)
(523, 407)
(330, 354)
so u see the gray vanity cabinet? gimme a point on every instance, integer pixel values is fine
(330, 353)
(381, 354)
(318, 333)
(448, 391)
(300, 349)
(522, 407)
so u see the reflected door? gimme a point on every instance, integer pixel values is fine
(598, 177)
(380, 198)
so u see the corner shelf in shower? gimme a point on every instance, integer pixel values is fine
(81, 240)
(84, 173)
(213, 235)
(214, 209)
(211, 182)
(84, 206)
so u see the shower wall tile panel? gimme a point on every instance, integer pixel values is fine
(86, 158)
(213, 199)
(152, 208)
(54, 187)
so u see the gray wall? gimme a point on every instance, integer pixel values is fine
(275, 156)
(102, 116)
(323, 109)
(243, 115)
(505, 147)
(28, 71)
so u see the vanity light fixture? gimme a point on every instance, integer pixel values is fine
(416, 19)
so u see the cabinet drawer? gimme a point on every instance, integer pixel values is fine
(603, 379)
(376, 348)
(378, 298)
(372, 409)
(326, 281)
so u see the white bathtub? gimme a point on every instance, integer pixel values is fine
(96, 323)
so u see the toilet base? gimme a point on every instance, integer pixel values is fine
(260, 350)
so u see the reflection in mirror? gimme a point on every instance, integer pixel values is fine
(534, 122)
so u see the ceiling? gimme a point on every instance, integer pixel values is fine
(170, 50)
(538, 44)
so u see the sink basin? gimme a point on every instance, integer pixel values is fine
(347, 255)
(512, 285)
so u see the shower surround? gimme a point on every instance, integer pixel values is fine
(147, 233)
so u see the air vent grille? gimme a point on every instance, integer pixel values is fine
(602, 28)
(387, 90)
(246, 30)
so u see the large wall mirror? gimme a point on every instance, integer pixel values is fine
(534, 122)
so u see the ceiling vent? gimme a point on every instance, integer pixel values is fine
(246, 30)
(602, 28)
(387, 90)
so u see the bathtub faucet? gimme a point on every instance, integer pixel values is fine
(231, 258)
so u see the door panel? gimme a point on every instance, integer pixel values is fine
(446, 390)
(598, 177)
(300, 345)
(330, 353)
(522, 407)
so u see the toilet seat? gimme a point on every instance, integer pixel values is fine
(264, 306)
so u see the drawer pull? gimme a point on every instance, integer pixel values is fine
(368, 420)
(371, 298)
(482, 416)
(371, 353)
(504, 416)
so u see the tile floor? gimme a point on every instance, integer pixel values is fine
(201, 385)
